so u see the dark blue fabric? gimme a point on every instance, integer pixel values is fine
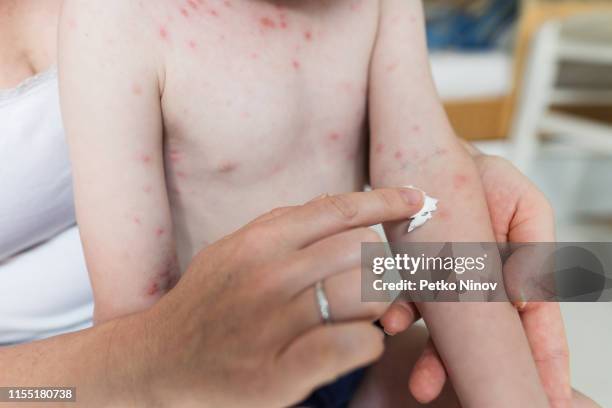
(337, 394)
(475, 28)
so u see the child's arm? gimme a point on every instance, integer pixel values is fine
(483, 345)
(111, 107)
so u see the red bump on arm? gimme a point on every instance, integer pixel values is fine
(267, 22)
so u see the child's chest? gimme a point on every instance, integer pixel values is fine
(248, 81)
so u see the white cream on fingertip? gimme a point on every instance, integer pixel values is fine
(430, 205)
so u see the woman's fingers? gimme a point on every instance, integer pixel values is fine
(333, 214)
(338, 253)
(399, 316)
(428, 375)
(325, 352)
(343, 294)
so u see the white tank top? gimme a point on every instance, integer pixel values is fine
(44, 287)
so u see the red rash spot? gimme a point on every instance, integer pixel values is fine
(213, 13)
(379, 148)
(137, 220)
(267, 22)
(192, 44)
(416, 128)
(308, 35)
(334, 136)
(193, 4)
(392, 67)
(72, 23)
(153, 289)
(296, 64)
(460, 180)
(283, 24)
(254, 55)
(163, 33)
(136, 89)
(181, 174)
(159, 232)
(227, 3)
(147, 189)
(398, 155)
(146, 159)
(175, 156)
(227, 167)
(184, 12)
(443, 214)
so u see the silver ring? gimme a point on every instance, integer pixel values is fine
(322, 302)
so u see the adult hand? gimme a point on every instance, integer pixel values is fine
(243, 327)
(519, 213)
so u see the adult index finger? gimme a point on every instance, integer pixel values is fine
(330, 215)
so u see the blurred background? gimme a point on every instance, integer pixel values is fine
(531, 80)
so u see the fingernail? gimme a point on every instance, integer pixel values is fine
(411, 197)
(520, 305)
(388, 333)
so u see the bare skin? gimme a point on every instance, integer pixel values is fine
(194, 348)
(27, 46)
(201, 114)
(28, 43)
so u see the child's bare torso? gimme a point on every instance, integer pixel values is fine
(264, 105)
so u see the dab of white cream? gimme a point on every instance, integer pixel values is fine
(430, 205)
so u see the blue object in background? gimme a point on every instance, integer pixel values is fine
(476, 27)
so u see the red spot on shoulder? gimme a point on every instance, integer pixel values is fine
(147, 189)
(267, 22)
(398, 154)
(72, 23)
(308, 35)
(416, 128)
(192, 44)
(254, 55)
(181, 174)
(213, 13)
(193, 4)
(296, 64)
(137, 220)
(334, 136)
(184, 12)
(227, 3)
(145, 158)
(379, 147)
(159, 232)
